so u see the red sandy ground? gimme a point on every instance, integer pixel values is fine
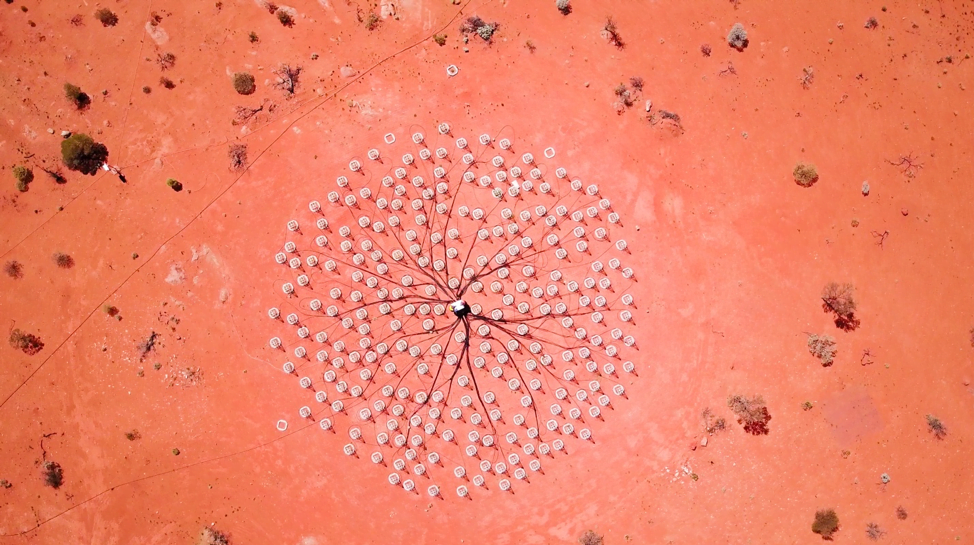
(733, 256)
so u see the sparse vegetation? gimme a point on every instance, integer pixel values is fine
(805, 174)
(530, 46)
(146, 346)
(243, 83)
(590, 538)
(133, 435)
(77, 20)
(807, 406)
(53, 475)
(737, 37)
(253, 37)
(901, 513)
(972, 337)
(440, 39)
(838, 299)
(808, 75)
(28, 343)
(751, 413)
(372, 21)
(81, 153)
(871, 23)
(936, 427)
(873, 531)
(174, 184)
(146, 89)
(107, 17)
(475, 24)
(13, 269)
(624, 95)
(285, 18)
(706, 50)
(63, 260)
(611, 32)
(287, 79)
(564, 6)
(238, 156)
(671, 118)
(823, 348)
(110, 310)
(23, 176)
(212, 536)
(80, 99)
(166, 61)
(167, 83)
(711, 423)
(826, 523)
(637, 83)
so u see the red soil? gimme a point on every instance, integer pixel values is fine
(732, 258)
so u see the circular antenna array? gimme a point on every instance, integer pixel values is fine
(458, 322)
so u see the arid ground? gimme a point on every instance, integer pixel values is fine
(157, 441)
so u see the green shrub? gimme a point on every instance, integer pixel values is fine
(243, 83)
(805, 174)
(826, 523)
(174, 184)
(24, 176)
(74, 93)
(440, 39)
(107, 17)
(80, 152)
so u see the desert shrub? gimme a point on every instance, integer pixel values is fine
(936, 427)
(805, 174)
(873, 531)
(146, 89)
(212, 536)
(167, 83)
(564, 6)
(871, 23)
(737, 37)
(838, 299)
(107, 17)
(174, 184)
(13, 269)
(826, 523)
(625, 97)
(901, 513)
(243, 83)
(133, 435)
(372, 21)
(440, 39)
(807, 406)
(590, 538)
(706, 50)
(63, 260)
(711, 423)
(28, 343)
(637, 83)
(53, 475)
(23, 176)
(238, 156)
(808, 75)
(751, 413)
(287, 78)
(475, 24)
(166, 61)
(611, 32)
(285, 18)
(80, 152)
(110, 310)
(823, 348)
(530, 46)
(80, 99)
(253, 37)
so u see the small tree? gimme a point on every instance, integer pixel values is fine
(838, 299)
(737, 37)
(28, 343)
(564, 6)
(936, 427)
(107, 17)
(805, 174)
(80, 152)
(285, 18)
(243, 83)
(24, 176)
(53, 475)
(590, 538)
(287, 78)
(826, 523)
(212, 536)
(80, 99)
(752, 413)
(823, 348)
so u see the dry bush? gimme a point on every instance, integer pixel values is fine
(564, 6)
(285, 18)
(590, 538)
(871, 23)
(838, 299)
(13, 269)
(873, 531)
(166, 61)
(107, 17)
(711, 423)
(287, 79)
(901, 512)
(28, 343)
(637, 83)
(737, 37)
(167, 83)
(476, 25)
(440, 39)
(823, 348)
(826, 523)
(805, 174)
(611, 32)
(372, 21)
(243, 83)
(212, 536)
(706, 50)
(147, 346)
(752, 413)
(53, 475)
(936, 427)
(808, 75)
(81, 153)
(63, 260)
(238, 156)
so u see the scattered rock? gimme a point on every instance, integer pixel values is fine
(50, 131)
(176, 275)
(347, 71)
(865, 189)
(65, 134)
(905, 212)
(703, 442)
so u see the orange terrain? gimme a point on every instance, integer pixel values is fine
(719, 345)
